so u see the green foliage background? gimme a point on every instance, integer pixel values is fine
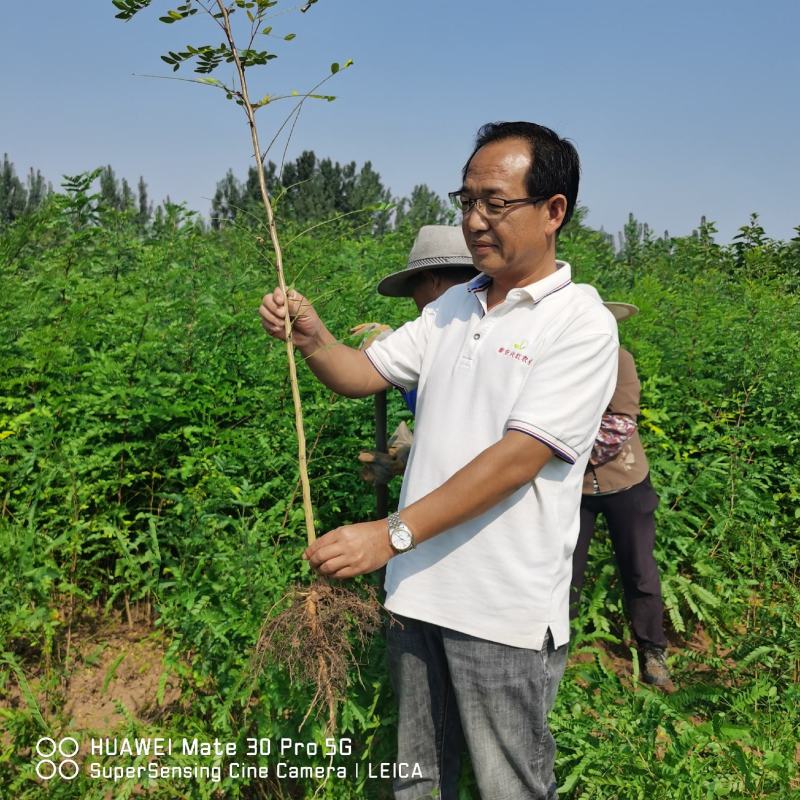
(147, 455)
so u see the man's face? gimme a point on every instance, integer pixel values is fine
(514, 245)
(425, 290)
(430, 285)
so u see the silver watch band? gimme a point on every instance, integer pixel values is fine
(401, 537)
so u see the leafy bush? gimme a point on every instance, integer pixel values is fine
(148, 457)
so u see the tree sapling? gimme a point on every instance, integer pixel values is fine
(313, 635)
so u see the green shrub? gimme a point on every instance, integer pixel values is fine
(147, 455)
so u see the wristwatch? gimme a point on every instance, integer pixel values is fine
(401, 538)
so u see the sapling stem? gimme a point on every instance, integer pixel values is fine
(276, 246)
(314, 636)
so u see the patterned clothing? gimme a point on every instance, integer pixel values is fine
(615, 430)
(629, 466)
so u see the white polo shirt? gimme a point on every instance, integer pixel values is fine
(543, 362)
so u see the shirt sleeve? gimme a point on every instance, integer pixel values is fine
(398, 357)
(566, 393)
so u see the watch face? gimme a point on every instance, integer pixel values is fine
(401, 538)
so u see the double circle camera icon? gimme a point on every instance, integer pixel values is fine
(66, 768)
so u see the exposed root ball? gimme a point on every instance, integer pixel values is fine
(314, 636)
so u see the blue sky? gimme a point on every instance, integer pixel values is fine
(678, 109)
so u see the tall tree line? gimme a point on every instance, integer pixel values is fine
(18, 198)
(310, 190)
(119, 196)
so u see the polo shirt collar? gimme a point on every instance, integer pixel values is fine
(536, 291)
(478, 283)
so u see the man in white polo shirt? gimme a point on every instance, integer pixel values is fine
(512, 372)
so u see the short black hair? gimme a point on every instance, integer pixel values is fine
(555, 166)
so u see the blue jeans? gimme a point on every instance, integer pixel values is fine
(454, 689)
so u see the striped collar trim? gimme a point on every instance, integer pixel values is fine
(478, 283)
(536, 291)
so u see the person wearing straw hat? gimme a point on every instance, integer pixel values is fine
(617, 485)
(513, 371)
(439, 259)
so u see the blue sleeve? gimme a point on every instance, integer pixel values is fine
(410, 398)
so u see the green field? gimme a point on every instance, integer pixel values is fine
(151, 519)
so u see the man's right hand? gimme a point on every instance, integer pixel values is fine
(307, 327)
(344, 369)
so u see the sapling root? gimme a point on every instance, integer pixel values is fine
(314, 637)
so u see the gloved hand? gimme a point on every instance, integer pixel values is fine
(370, 332)
(379, 468)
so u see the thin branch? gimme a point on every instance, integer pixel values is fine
(295, 110)
(258, 18)
(217, 85)
(259, 222)
(326, 222)
(210, 14)
(304, 95)
(289, 139)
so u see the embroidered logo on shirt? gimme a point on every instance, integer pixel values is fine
(515, 353)
(523, 345)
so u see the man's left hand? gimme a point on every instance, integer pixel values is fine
(351, 550)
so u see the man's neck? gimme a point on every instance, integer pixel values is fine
(499, 288)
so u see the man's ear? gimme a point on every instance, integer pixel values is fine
(433, 277)
(556, 210)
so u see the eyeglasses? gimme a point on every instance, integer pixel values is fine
(487, 206)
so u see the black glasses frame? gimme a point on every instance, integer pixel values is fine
(458, 199)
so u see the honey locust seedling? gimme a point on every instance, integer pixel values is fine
(312, 636)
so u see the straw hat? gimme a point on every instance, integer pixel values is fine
(436, 246)
(620, 311)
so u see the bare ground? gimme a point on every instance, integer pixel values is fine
(114, 666)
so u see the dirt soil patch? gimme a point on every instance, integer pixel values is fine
(115, 666)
